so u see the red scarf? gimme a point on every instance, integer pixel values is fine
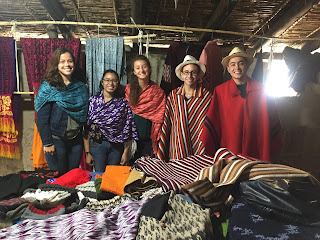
(151, 105)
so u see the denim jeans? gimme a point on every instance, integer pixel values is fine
(67, 154)
(105, 153)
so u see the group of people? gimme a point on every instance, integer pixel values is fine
(123, 123)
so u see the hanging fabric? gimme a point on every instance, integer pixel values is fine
(9, 147)
(37, 52)
(103, 54)
(175, 55)
(211, 57)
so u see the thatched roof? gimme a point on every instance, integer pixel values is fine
(237, 21)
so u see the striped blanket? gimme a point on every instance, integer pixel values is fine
(213, 185)
(175, 173)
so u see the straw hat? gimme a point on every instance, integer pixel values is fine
(190, 60)
(237, 52)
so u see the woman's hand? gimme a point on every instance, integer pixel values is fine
(124, 159)
(49, 149)
(89, 159)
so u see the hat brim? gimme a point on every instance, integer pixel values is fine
(225, 61)
(202, 68)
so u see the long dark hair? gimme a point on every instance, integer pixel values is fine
(135, 88)
(52, 75)
(119, 93)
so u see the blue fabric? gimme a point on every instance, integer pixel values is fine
(106, 153)
(103, 54)
(246, 223)
(67, 154)
(73, 99)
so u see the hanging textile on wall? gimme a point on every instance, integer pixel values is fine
(37, 53)
(211, 56)
(103, 54)
(9, 147)
(175, 55)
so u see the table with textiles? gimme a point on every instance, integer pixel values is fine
(189, 198)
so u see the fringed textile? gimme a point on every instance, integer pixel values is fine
(9, 147)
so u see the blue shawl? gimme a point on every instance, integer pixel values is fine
(73, 99)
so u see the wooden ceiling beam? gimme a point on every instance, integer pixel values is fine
(30, 10)
(115, 15)
(289, 17)
(57, 13)
(310, 46)
(138, 13)
(82, 19)
(219, 16)
(187, 14)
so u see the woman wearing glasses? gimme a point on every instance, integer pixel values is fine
(147, 101)
(185, 113)
(110, 125)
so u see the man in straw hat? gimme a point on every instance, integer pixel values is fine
(185, 113)
(241, 117)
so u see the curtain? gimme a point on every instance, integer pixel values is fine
(103, 54)
(9, 147)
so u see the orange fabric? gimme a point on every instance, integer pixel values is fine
(37, 154)
(114, 179)
(151, 105)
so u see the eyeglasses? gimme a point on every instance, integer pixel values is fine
(193, 73)
(110, 80)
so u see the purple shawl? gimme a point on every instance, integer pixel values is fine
(114, 118)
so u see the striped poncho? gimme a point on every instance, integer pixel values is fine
(183, 120)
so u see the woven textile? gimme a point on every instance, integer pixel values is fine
(151, 105)
(175, 173)
(114, 118)
(103, 54)
(73, 99)
(118, 223)
(37, 53)
(8, 132)
(213, 185)
(182, 220)
(112, 203)
(246, 223)
(114, 179)
(182, 125)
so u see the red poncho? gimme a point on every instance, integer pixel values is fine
(248, 126)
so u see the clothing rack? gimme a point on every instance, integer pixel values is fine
(31, 93)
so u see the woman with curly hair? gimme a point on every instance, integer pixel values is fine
(61, 106)
(147, 101)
